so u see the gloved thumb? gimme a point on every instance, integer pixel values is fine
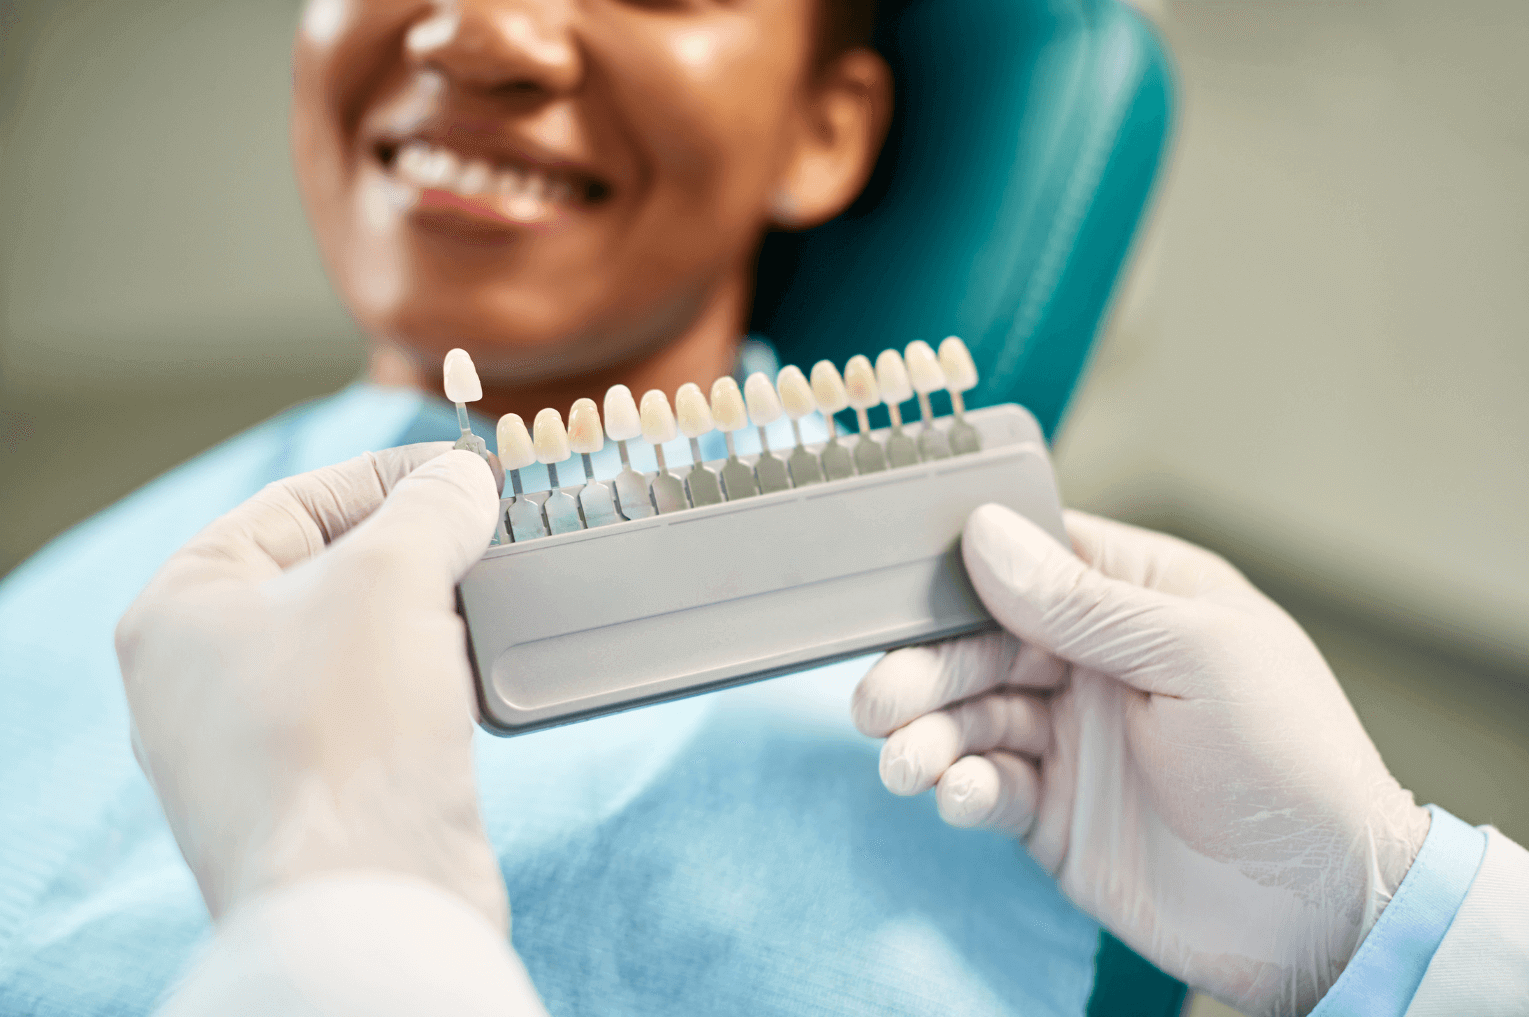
(434, 525)
(1041, 592)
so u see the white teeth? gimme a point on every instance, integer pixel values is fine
(475, 178)
(860, 383)
(657, 418)
(551, 438)
(923, 367)
(441, 168)
(462, 384)
(956, 361)
(892, 378)
(622, 421)
(584, 434)
(795, 393)
(828, 387)
(727, 410)
(694, 413)
(515, 449)
(764, 404)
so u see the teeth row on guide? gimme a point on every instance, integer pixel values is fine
(894, 379)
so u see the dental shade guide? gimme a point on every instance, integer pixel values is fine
(863, 393)
(623, 422)
(828, 392)
(925, 374)
(658, 427)
(765, 409)
(570, 617)
(460, 380)
(960, 376)
(586, 437)
(796, 399)
(702, 482)
(892, 379)
(517, 451)
(728, 413)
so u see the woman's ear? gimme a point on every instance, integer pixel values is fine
(841, 124)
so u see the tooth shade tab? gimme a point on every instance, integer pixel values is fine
(892, 377)
(923, 367)
(461, 378)
(860, 383)
(515, 449)
(622, 421)
(795, 392)
(727, 409)
(763, 404)
(693, 410)
(657, 418)
(551, 441)
(956, 362)
(828, 388)
(584, 433)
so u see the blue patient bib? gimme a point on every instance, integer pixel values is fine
(733, 853)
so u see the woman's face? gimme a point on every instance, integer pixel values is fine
(557, 185)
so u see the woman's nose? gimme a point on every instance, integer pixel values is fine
(512, 46)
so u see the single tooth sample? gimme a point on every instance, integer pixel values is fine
(695, 420)
(925, 374)
(896, 389)
(828, 391)
(796, 398)
(764, 410)
(551, 442)
(728, 415)
(860, 385)
(960, 376)
(517, 452)
(622, 424)
(658, 427)
(586, 438)
(463, 387)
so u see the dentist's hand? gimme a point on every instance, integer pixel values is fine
(1168, 743)
(299, 684)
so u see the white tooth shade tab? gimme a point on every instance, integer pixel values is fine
(692, 409)
(763, 403)
(795, 392)
(923, 367)
(860, 383)
(657, 418)
(622, 421)
(551, 438)
(461, 377)
(956, 362)
(584, 434)
(828, 387)
(892, 377)
(727, 409)
(515, 449)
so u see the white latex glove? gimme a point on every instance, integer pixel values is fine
(299, 685)
(1168, 743)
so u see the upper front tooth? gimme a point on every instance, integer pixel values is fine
(440, 169)
(412, 157)
(509, 182)
(474, 178)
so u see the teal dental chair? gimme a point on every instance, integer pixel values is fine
(1026, 139)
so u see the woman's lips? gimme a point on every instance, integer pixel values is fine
(506, 194)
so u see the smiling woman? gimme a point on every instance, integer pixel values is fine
(574, 192)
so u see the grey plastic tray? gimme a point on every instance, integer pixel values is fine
(573, 626)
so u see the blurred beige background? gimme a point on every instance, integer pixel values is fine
(1320, 366)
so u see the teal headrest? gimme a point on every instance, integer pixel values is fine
(1025, 141)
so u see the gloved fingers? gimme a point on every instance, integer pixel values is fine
(1049, 598)
(292, 520)
(435, 521)
(910, 682)
(1149, 559)
(996, 791)
(915, 756)
(1036, 668)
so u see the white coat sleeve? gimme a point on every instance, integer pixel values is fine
(357, 944)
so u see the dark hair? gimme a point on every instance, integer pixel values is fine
(845, 24)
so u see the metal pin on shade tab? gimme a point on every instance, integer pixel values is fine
(658, 426)
(694, 415)
(796, 398)
(828, 392)
(925, 374)
(764, 409)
